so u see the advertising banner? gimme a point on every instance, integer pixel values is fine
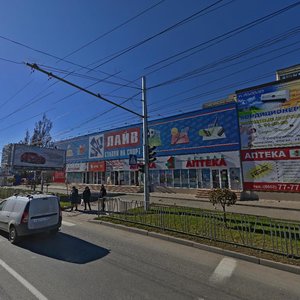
(97, 166)
(206, 130)
(77, 149)
(37, 158)
(269, 116)
(59, 177)
(76, 167)
(276, 169)
(229, 159)
(121, 143)
(96, 146)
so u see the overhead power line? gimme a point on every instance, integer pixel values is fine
(222, 37)
(112, 30)
(180, 23)
(199, 71)
(52, 56)
(36, 67)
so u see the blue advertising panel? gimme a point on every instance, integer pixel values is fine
(201, 131)
(76, 149)
(113, 144)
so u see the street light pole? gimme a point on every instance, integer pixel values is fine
(145, 145)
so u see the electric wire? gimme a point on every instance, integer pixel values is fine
(50, 55)
(16, 94)
(222, 37)
(113, 29)
(233, 74)
(84, 76)
(266, 43)
(180, 23)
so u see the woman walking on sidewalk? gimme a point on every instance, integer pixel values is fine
(102, 196)
(86, 195)
(74, 197)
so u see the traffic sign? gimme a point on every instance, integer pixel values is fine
(132, 159)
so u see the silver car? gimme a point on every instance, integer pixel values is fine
(25, 215)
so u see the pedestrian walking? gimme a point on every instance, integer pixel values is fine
(86, 195)
(102, 196)
(74, 197)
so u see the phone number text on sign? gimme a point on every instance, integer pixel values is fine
(280, 187)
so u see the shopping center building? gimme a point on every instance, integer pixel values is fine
(194, 150)
(251, 143)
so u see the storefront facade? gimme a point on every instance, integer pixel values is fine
(197, 150)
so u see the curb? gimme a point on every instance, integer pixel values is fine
(241, 256)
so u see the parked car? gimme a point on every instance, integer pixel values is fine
(32, 158)
(26, 215)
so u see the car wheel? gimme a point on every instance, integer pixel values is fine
(13, 235)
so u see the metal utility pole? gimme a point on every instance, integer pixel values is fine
(144, 116)
(145, 145)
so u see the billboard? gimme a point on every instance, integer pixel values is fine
(37, 158)
(77, 149)
(207, 130)
(114, 144)
(269, 116)
(276, 169)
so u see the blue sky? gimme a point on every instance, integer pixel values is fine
(74, 37)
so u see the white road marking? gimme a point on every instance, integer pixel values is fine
(224, 270)
(67, 223)
(23, 281)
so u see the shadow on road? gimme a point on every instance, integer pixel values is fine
(63, 247)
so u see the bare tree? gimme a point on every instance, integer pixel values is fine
(26, 139)
(41, 133)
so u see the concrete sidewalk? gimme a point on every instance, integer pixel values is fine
(265, 203)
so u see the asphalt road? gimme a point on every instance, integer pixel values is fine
(91, 261)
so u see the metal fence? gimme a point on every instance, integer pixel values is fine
(254, 232)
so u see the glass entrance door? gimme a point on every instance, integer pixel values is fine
(224, 179)
(216, 178)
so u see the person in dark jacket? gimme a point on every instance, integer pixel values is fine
(74, 197)
(86, 195)
(102, 196)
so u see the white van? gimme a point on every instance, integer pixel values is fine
(25, 215)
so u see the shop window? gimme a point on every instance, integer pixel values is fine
(215, 178)
(121, 177)
(224, 179)
(154, 177)
(126, 178)
(193, 178)
(206, 178)
(95, 177)
(76, 177)
(116, 177)
(162, 177)
(103, 180)
(185, 178)
(199, 178)
(169, 177)
(110, 178)
(235, 179)
(132, 178)
(177, 181)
